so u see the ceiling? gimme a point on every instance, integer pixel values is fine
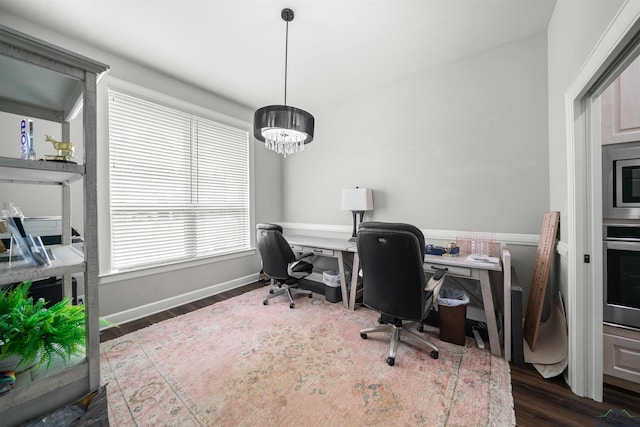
(337, 49)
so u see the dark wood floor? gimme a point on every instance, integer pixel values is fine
(537, 401)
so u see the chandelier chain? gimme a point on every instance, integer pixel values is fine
(286, 58)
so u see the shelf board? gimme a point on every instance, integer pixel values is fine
(51, 381)
(39, 79)
(39, 171)
(67, 260)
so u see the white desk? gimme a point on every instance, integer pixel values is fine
(456, 266)
(459, 267)
(329, 247)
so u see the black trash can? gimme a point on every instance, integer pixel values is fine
(452, 308)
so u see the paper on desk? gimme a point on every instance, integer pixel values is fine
(484, 260)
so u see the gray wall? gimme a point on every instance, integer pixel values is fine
(459, 147)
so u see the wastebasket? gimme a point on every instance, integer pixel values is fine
(331, 280)
(452, 307)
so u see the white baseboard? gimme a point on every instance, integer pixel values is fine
(166, 304)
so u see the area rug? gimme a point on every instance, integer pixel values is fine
(241, 363)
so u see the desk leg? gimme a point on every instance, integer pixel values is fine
(354, 281)
(343, 279)
(506, 327)
(490, 313)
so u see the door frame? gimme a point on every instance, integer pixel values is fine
(584, 182)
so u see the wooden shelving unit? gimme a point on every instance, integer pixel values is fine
(40, 80)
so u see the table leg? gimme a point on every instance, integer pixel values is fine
(343, 279)
(490, 313)
(507, 319)
(354, 281)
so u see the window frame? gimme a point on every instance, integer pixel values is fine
(104, 224)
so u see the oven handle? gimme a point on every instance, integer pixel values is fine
(622, 245)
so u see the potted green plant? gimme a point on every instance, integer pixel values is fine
(33, 334)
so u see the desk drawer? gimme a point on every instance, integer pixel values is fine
(318, 251)
(457, 271)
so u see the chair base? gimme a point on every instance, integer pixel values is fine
(397, 331)
(289, 290)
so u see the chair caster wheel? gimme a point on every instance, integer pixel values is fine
(363, 336)
(272, 291)
(380, 321)
(421, 328)
(434, 354)
(265, 302)
(292, 305)
(310, 295)
(391, 361)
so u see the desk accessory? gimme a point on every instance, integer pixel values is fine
(450, 249)
(357, 200)
(434, 250)
(476, 243)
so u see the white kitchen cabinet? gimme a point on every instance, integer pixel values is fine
(621, 107)
(621, 348)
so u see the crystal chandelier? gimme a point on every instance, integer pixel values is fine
(282, 128)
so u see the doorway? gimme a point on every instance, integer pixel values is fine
(615, 51)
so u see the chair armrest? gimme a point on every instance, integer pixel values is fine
(434, 284)
(304, 255)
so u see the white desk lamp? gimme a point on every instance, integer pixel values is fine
(357, 200)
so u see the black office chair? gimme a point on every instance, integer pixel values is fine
(394, 282)
(280, 263)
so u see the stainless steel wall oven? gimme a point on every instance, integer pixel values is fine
(622, 273)
(621, 180)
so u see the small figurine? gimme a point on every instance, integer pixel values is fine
(65, 150)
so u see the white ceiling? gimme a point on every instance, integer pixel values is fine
(337, 48)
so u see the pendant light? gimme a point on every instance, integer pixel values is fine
(282, 128)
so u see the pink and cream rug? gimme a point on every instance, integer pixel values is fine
(240, 363)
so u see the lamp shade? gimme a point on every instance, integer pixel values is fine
(357, 199)
(282, 128)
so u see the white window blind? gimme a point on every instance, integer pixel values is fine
(179, 185)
